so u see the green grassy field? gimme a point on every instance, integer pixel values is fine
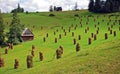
(101, 57)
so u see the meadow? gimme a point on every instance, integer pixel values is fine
(99, 57)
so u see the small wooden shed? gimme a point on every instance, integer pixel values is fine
(27, 35)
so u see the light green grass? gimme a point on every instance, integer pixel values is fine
(102, 56)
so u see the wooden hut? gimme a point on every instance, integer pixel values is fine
(27, 35)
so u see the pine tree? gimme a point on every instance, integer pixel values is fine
(15, 30)
(76, 6)
(91, 6)
(19, 9)
(104, 6)
(2, 37)
(97, 6)
(51, 8)
(55, 8)
(116, 6)
(107, 7)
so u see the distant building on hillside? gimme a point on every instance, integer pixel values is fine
(58, 8)
(55, 8)
(27, 35)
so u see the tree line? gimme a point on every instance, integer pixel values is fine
(100, 6)
(54, 8)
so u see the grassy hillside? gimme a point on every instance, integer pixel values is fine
(102, 56)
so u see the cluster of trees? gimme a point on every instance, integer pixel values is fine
(14, 34)
(16, 28)
(102, 6)
(2, 27)
(18, 9)
(54, 8)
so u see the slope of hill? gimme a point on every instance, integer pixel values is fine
(101, 56)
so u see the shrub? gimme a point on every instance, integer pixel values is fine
(76, 15)
(37, 11)
(27, 12)
(51, 15)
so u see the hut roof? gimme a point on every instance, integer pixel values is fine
(27, 32)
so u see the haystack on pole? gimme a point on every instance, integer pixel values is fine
(41, 56)
(89, 41)
(16, 65)
(61, 48)
(77, 47)
(29, 61)
(106, 36)
(2, 63)
(58, 53)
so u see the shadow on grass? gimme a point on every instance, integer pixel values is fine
(85, 54)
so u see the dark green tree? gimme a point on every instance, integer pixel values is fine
(18, 9)
(97, 6)
(2, 27)
(51, 8)
(91, 6)
(115, 5)
(104, 6)
(76, 7)
(107, 7)
(55, 8)
(14, 35)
